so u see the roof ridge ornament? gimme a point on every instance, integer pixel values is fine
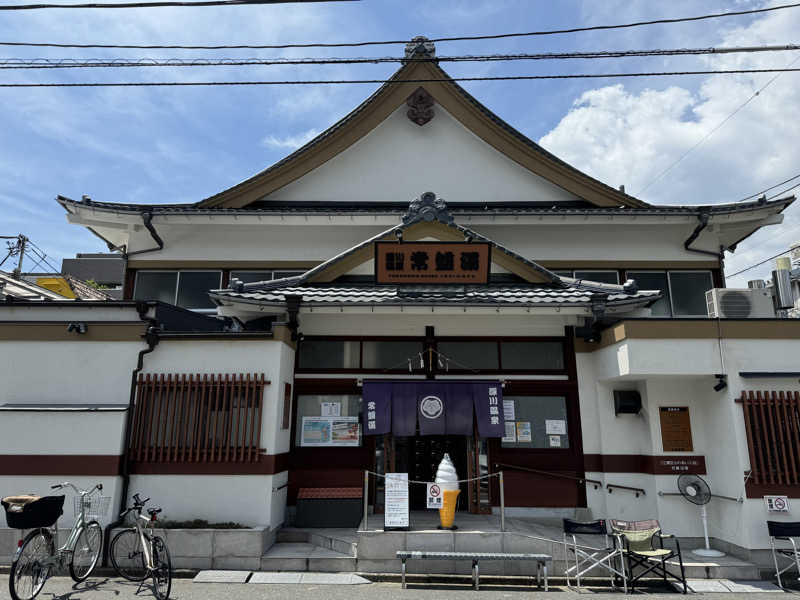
(428, 208)
(420, 47)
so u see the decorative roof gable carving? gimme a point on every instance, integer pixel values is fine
(420, 106)
(428, 208)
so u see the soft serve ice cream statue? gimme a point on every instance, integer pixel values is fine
(447, 480)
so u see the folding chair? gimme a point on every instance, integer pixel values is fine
(607, 556)
(785, 532)
(636, 539)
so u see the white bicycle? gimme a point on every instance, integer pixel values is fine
(38, 554)
(137, 554)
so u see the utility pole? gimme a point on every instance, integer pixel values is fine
(21, 245)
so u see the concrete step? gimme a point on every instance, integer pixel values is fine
(342, 541)
(726, 567)
(300, 556)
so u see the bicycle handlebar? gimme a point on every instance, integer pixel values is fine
(58, 486)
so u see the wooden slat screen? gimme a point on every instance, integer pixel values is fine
(772, 422)
(197, 418)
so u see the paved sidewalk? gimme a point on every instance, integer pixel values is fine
(101, 588)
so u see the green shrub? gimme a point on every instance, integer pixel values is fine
(199, 524)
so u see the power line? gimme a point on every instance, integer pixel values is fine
(766, 260)
(72, 63)
(161, 4)
(389, 42)
(716, 128)
(43, 256)
(385, 81)
(772, 187)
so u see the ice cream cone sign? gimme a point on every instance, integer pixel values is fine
(447, 480)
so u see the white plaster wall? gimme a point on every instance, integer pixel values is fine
(43, 312)
(680, 373)
(538, 241)
(446, 325)
(56, 432)
(399, 160)
(80, 372)
(245, 499)
(11, 485)
(271, 357)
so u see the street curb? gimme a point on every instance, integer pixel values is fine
(109, 572)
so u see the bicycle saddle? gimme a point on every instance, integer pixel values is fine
(153, 511)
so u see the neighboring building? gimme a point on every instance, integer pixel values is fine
(582, 307)
(106, 270)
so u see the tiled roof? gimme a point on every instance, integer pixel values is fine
(476, 209)
(520, 295)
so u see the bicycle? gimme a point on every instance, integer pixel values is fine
(38, 553)
(137, 555)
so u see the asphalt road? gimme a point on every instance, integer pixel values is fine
(106, 588)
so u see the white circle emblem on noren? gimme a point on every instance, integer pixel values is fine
(431, 407)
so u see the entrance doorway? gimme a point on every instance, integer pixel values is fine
(420, 457)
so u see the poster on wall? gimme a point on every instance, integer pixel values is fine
(511, 432)
(330, 431)
(676, 429)
(524, 431)
(555, 427)
(555, 441)
(316, 431)
(331, 409)
(396, 501)
(509, 413)
(344, 431)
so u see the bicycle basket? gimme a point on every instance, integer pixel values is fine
(94, 507)
(31, 512)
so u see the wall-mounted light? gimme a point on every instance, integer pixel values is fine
(722, 382)
(399, 234)
(78, 327)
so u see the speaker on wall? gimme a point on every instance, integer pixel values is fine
(627, 402)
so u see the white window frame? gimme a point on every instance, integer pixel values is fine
(178, 284)
(671, 295)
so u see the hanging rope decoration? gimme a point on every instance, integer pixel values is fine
(442, 360)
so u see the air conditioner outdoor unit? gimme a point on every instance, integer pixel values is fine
(728, 303)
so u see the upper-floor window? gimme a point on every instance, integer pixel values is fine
(684, 291)
(188, 289)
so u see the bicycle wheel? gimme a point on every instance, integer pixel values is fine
(86, 552)
(127, 556)
(30, 569)
(162, 571)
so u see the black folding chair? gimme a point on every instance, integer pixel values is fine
(605, 555)
(784, 531)
(636, 538)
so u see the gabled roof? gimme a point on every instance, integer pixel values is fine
(459, 103)
(429, 217)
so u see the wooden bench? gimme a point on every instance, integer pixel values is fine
(541, 561)
(329, 507)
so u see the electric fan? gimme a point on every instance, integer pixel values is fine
(696, 491)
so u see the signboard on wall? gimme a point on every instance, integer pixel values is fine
(432, 262)
(396, 508)
(330, 431)
(676, 429)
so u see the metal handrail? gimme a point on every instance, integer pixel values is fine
(594, 482)
(635, 490)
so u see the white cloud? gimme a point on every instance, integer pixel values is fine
(290, 142)
(629, 136)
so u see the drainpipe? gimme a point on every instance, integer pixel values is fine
(151, 339)
(702, 216)
(147, 220)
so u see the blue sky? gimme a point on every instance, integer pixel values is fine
(182, 145)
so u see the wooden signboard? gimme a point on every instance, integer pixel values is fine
(676, 430)
(432, 262)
